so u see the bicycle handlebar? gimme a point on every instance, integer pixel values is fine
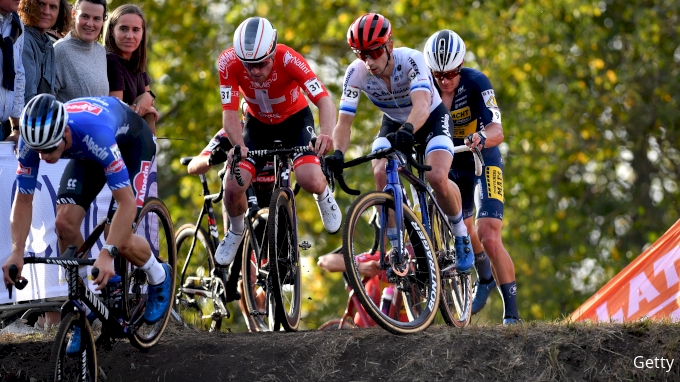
(476, 153)
(235, 171)
(66, 259)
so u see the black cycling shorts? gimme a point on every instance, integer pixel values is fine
(84, 179)
(296, 130)
(490, 197)
(437, 125)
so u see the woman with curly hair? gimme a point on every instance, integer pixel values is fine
(40, 16)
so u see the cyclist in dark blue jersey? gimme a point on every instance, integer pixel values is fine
(476, 123)
(107, 143)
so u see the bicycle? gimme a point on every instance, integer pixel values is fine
(123, 319)
(200, 298)
(421, 280)
(276, 284)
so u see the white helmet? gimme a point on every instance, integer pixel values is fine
(43, 122)
(254, 40)
(444, 51)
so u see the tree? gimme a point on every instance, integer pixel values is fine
(590, 113)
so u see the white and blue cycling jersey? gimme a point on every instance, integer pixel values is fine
(96, 124)
(410, 75)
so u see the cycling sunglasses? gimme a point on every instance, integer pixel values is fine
(373, 53)
(48, 151)
(258, 65)
(451, 74)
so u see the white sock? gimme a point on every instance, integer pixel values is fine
(322, 195)
(237, 224)
(458, 225)
(154, 271)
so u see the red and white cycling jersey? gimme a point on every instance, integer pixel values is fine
(279, 96)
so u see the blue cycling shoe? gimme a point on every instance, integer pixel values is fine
(158, 298)
(511, 321)
(464, 256)
(481, 294)
(73, 345)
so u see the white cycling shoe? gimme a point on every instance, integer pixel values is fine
(330, 213)
(226, 251)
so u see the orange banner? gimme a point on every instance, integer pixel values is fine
(647, 287)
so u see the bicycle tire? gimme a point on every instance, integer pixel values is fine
(456, 301)
(153, 214)
(285, 270)
(419, 287)
(196, 310)
(251, 290)
(337, 324)
(70, 368)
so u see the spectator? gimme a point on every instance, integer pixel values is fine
(13, 76)
(125, 42)
(81, 60)
(38, 17)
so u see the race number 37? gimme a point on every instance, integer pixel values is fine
(225, 94)
(314, 87)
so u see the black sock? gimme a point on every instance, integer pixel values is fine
(483, 267)
(509, 293)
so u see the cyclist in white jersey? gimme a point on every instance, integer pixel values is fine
(399, 83)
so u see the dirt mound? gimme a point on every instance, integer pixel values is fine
(533, 351)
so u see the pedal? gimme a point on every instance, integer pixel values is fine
(305, 245)
(256, 313)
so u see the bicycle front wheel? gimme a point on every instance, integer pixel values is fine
(195, 282)
(419, 286)
(284, 265)
(254, 291)
(78, 366)
(154, 224)
(456, 301)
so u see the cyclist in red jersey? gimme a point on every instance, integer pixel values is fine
(272, 78)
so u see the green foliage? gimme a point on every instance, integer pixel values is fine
(589, 94)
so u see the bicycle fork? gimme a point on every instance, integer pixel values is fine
(394, 188)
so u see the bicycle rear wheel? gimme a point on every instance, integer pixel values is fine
(154, 224)
(76, 366)
(193, 297)
(419, 287)
(456, 301)
(284, 267)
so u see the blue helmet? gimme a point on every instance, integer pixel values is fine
(43, 122)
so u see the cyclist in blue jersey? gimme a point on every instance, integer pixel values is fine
(108, 143)
(398, 82)
(477, 123)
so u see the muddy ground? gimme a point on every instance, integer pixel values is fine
(533, 351)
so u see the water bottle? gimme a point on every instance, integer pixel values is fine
(114, 295)
(387, 295)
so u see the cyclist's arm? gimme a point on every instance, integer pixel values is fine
(494, 134)
(20, 225)
(232, 126)
(342, 132)
(327, 123)
(119, 233)
(199, 165)
(421, 109)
